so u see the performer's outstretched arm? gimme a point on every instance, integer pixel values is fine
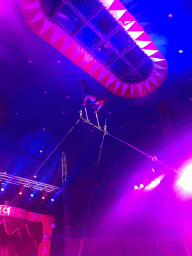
(93, 98)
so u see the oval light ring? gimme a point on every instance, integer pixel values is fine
(52, 33)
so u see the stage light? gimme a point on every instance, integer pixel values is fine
(41, 151)
(135, 187)
(35, 176)
(20, 193)
(52, 199)
(180, 51)
(2, 189)
(185, 180)
(155, 183)
(183, 186)
(32, 195)
(170, 15)
(141, 186)
(43, 197)
(153, 170)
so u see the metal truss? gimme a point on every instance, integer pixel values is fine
(6, 178)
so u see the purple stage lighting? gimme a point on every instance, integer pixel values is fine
(32, 195)
(135, 187)
(141, 186)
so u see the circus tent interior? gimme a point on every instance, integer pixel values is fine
(79, 182)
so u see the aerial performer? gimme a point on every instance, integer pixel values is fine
(96, 102)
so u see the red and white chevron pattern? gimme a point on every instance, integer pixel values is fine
(58, 38)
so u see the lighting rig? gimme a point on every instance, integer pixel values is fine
(11, 179)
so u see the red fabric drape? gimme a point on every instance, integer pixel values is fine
(19, 236)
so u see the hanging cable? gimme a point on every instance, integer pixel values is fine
(129, 145)
(55, 148)
(92, 191)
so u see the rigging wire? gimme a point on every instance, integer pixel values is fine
(51, 154)
(92, 191)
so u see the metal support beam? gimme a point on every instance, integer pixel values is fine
(11, 179)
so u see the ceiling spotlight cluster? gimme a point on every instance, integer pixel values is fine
(153, 184)
(31, 195)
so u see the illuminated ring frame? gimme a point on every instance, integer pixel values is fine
(52, 33)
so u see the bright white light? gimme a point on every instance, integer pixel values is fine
(135, 187)
(43, 197)
(183, 186)
(52, 199)
(141, 186)
(180, 51)
(20, 193)
(2, 189)
(32, 195)
(153, 170)
(155, 183)
(185, 181)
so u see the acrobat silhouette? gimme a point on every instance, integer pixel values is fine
(96, 102)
